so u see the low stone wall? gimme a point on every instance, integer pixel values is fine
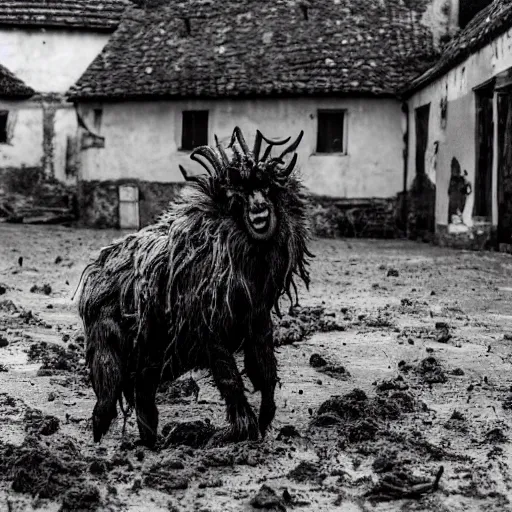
(356, 218)
(99, 201)
(27, 194)
(481, 236)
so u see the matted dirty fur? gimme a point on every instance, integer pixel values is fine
(200, 284)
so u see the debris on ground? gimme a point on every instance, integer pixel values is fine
(301, 322)
(360, 417)
(195, 434)
(401, 485)
(266, 498)
(37, 470)
(56, 359)
(178, 391)
(85, 497)
(38, 423)
(45, 289)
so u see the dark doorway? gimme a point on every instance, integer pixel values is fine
(422, 115)
(505, 168)
(484, 155)
(423, 191)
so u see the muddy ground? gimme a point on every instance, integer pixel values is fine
(396, 391)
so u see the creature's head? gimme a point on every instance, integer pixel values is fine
(252, 189)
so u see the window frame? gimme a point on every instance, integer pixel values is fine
(333, 111)
(185, 146)
(4, 135)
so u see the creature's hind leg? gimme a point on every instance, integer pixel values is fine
(229, 382)
(261, 368)
(106, 374)
(147, 379)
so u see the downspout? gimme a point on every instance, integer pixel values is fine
(405, 206)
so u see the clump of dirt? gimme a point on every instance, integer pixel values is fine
(403, 485)
(429, 370)
(317, 361)
(457, 422)
(166, 480)
(44, 289)
(8, 306)
(267, 498)
(86, 497)
(396, 384)
(302, 322)
(56, 359)
(195, 434)
(178, 391)
(360, 417)
(38, 423)
(305, 472)
(38, 470)
(335, 371)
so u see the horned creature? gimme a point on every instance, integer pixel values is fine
(197, 286)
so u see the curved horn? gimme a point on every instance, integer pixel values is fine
(294, 146)
(257, 145)
(286, 172)
(220, 149)
(187, 176)
(210, 155)
(237, 133)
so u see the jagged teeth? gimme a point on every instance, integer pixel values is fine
(259, 220)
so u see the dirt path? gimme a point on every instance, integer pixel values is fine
(414, 375)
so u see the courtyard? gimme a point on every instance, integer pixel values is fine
(396, 375)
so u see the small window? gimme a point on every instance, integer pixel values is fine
(4, 116)
(195, 129)
(98, 116)
(331, 131)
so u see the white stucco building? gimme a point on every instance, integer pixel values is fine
(461, 111)
(48, 45)
(175, 75)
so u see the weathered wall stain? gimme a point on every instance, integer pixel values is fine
(458, 191)
(48, 163)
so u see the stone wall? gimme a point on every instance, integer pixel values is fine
(27, 194)
(99, 201)
(357, 218)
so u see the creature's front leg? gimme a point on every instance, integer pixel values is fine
(243, 422)
(146, 383)
(261, 368)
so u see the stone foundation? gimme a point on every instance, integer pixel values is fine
(481, 236)
(99, 201)
(27, 194)
(356, 218)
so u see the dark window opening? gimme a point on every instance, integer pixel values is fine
(331, 131)
(4, 116)
(98, 116)
(485, 150)
(195, 129)
(468, 9)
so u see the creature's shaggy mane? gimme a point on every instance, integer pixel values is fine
(196, 286)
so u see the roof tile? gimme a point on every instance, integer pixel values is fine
(254, 48)
(12, 87)
(91, 14)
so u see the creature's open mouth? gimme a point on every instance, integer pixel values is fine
(260, 221)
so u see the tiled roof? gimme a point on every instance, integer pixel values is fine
(92, 14)
(488, 24)
(12, 87)
(214, 48)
